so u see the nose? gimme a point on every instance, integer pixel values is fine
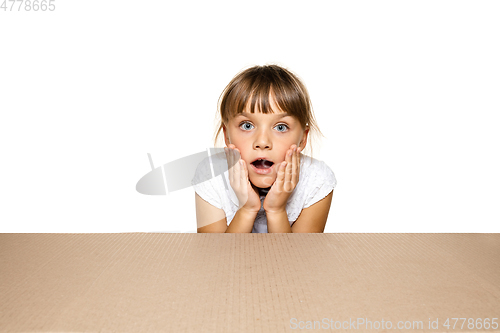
(262, 141)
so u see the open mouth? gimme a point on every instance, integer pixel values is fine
(262, 163)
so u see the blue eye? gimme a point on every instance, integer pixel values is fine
(245, 127)
(283, 127)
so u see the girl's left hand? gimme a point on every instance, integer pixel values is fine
(286, 181)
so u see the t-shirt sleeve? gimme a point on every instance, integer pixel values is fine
(322, 183)
(205, 184)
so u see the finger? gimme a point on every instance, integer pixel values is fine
(237, 169)
(295, 166)
(227, 151)
(280, 179)
(298, 165)
(243, 172)
(245, 176)
(234, 168)
(288, 186)
(237, 154)
(245, 179)
(242, 183)
(288, 156)
(230, 151)
(289, 166)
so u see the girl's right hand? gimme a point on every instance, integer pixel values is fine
(238, 177)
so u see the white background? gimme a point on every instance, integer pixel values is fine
(406, 94)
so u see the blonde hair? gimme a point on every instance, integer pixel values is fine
(255, 86)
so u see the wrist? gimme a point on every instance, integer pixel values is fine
(242, 221)
(276, 212)
(248, 211)
(277, 221)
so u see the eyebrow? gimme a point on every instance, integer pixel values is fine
(246, 114)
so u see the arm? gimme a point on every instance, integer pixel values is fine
(208, 217)
(278, 222)
(313, 218)
(213, 219)
(242, 222)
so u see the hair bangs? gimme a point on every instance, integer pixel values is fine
(251, 95)
(260, 98)
(290, 96)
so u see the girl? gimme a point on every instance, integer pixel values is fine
(266, 116)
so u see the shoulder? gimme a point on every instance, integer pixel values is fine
(209, 168)
(203, 171)
(206, 184)
(211, 183)
(314, 172)
(316, 181)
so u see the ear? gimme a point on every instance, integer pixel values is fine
(226, 137)
(303, 142)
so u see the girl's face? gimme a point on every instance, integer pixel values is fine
(264, 136)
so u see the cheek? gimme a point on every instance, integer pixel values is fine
(244, 152)
(237, 139)
(292, 140)
(283, 148)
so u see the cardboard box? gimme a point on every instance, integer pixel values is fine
(142, 282)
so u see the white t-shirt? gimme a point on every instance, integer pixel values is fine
(316, 181)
